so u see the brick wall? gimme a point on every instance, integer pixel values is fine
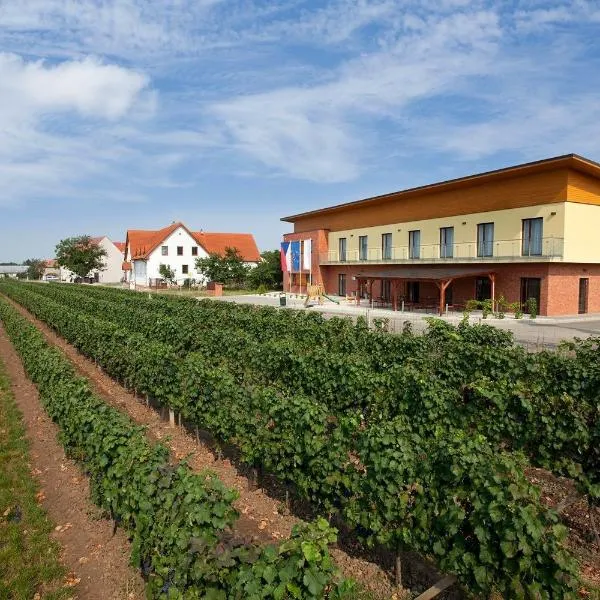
(319, 247)
(563, 286)
(559, 293)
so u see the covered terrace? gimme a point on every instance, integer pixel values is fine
(442, 277)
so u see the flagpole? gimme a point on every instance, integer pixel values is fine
(310, 262)
(301, 264)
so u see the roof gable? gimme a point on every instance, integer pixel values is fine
(141, 243)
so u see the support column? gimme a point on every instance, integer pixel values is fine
(492, 277)
(443, 286)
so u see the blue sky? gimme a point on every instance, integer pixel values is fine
(228, 114)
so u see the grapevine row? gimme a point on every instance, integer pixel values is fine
(471, 377)
(181, 523)
(446, 493)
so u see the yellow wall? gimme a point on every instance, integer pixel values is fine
(582, 238)
(507, 233)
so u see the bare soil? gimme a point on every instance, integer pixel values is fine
(97, 561)
(576, 514)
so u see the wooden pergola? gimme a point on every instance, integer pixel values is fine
(442, 277)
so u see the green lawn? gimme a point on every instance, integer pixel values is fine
(201, 293)
(29, 558)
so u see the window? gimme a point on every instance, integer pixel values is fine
(362, 247)
(194, 250)
(532, 237)
(412, 291)
(446, 242)
(342, 284)
(342, 249)
(164, 250)
(386, 246)
(179, 250)
(485, 239)
(483, 289)
(414, 244)
(184, 269)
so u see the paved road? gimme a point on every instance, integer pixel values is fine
(534, 333)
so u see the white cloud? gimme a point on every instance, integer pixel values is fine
(530, 127)
(311, 90)
(312, 131)
(53, 119)
(87, 86)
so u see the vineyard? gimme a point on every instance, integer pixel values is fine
(415, 442)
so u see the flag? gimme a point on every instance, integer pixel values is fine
(295, 256)
(285, 257)
(307, 255)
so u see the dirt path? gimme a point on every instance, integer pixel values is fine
(262, 517)
(90, 552)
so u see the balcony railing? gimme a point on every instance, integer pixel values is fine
(500, 250)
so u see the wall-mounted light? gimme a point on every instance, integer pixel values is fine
(553, 213)
(464, 222)
(351, 235)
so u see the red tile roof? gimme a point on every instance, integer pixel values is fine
(216, 243)
(143, 242)
(120, 246)
(50, 263)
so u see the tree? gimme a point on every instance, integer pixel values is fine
(166, 273)
(268, 272)
(35, 268)
(228, 269)
(80, 255)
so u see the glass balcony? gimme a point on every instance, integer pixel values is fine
(502, 251)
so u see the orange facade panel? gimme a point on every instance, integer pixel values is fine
(527, 190)
(583, 188)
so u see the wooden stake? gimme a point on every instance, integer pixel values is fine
(398, 570)
(436, 589)
(171, 418)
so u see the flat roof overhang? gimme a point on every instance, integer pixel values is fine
(425, 274)
(571, 161)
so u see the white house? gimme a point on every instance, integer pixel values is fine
(113, 264)
(113, 261)
(178, 247)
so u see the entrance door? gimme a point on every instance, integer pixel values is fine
(584, 284)
(342, 284)
(386, 290)
(483, 289)
(530, 288)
